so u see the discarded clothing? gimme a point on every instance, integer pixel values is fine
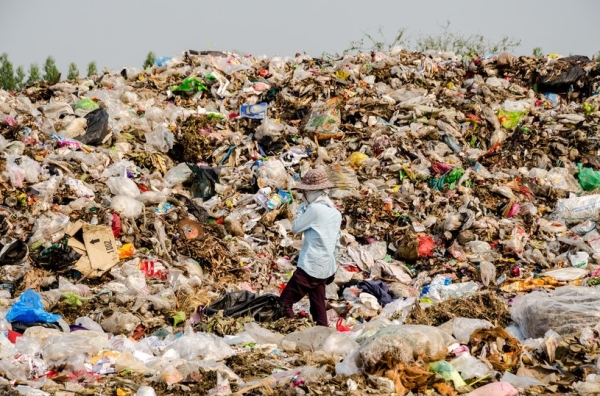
(378, 289)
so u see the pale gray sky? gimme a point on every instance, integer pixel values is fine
(119, 33)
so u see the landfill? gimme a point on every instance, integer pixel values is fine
(145, 227)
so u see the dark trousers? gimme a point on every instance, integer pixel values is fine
(299, 286)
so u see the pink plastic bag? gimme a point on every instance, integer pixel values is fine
(496, 389)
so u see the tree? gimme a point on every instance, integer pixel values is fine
(537, 52)
(92, 69)
(150, 58)
(51, 73)
(598, 57)
(20, 78)
(73, 72)
(34, 74)
(7, 75)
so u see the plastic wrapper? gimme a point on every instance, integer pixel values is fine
(565, 310)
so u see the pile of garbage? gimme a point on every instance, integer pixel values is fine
(145, 227)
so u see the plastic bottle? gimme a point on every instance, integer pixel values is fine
(94, 220)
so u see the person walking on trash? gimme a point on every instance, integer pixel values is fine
(320, 222)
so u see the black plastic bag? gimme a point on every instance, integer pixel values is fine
(97, 127)
(58, 257)
(565, 73)
(20, 327)
(240, 304)
(205, 178)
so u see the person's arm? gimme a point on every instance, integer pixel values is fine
(304, 221)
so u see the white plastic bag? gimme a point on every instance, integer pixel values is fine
(520, 382)
(488, 272)
(21, 169)
(127, 206)
(80, 188)
(462, 328)
(470, 367)
(403, 343)
(578, 209)
(89, 324)
(123, 186)
(349, 366)
(161, 140)
(565, 310)
(178, 174)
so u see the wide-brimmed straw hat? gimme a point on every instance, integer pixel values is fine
(314, 179)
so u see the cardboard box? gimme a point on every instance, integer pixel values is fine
(97, 246)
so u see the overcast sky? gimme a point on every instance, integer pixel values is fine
(119, 33)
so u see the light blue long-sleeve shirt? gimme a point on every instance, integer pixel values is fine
(320, 222)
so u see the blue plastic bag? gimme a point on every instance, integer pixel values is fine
(29, 309)
(162, 60)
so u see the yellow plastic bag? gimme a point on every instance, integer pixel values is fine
(356, 159)
(509, 119)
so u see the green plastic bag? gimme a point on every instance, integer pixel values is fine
(454, 175)
(190, 84)
(589, 179)
(449, 373)
(87, 104)
(509, 119)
